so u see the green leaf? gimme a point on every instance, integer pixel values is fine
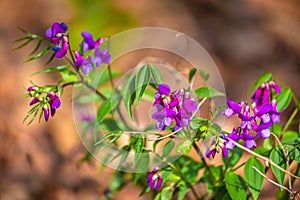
(155, 74)
(128, 94)
(68, 76)
(143, 161)
(189, 168)
(105, 108)
(138, 148)
(183, 190)
(263, 78)
(236, 186)
(141, 82)
(290, 137)
(168, 148)
(107, 136)
(167, 193)
(207, 92)
(53, 69)
(204, 75)
(116, 136)
(253, 179)
(294, 153)
(233, 156)
(24, 44)
(283, 99)
(184, 147)
(105, 77)
(43, 52)
(38, 44)
(277, 157)
(192, 74)
(124, 155)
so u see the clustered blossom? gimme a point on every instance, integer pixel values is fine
(155, 179)
(256, 119)
(58, 33)
(99, 58)
(49, 102)
(172, 106)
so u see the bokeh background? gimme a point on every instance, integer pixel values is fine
(245, 38)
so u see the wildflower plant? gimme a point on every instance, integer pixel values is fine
(269, 141)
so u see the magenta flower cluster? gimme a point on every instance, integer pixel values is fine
(172, 106)
(256, 119)
(58, 33)
(49, 102)
(99, 58)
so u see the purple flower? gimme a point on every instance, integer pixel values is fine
(155, 179)
(58, 34)
(87, 65)
(89, 43)
(219, 144)
(46, 112)
(176, 106)
(54, 102)
(263, 95)
(101, 57)
(79, 59)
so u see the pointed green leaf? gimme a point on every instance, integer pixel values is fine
(207, 92)
(236, 186)
(263, 78)
(204, 75)
(290, 137)
(107, 136)
(105, 108)
(141, 82)
(53, 69)
(143, 161)
(68, 76)
(156, 75)
(184, 147)
(283, 99)
(51, 58)
(24, 44)
(167, 193)
(124, 153)
(38, 44)
(277, 157)
(168, 148)
(128, 94)
(253, 179)
(192, 74)
(43, 52)
(138, 148)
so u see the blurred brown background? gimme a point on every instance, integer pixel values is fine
(245, 39)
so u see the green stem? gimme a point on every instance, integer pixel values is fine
(227, 164)
(178, 172)
(288, 123)
(204, 161)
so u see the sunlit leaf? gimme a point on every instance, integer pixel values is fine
(236, 186)
(43, 52)
(128, 94)
(283, 99)
(277, 157)
(253, 179)
(141, 82)
(207, 92)
(155, 74)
